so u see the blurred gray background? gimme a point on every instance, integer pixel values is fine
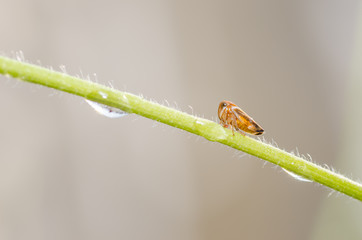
(69, 173)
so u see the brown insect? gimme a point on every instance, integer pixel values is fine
(231, 116)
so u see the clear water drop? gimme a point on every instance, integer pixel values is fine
(104, 95)
(200, 122)
(125, 98)
(296, 176)
(105, 110)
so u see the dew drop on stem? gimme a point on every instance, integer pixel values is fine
(296, 176)
(105, 110)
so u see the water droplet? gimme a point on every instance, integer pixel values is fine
(104, 95)
(296, 176)
(125, 98)
(105, 110)
(200, 122)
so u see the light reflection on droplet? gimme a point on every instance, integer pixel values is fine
(125, 98)
(200, 122)
(104, 95)
(296, 176)
(106, 110)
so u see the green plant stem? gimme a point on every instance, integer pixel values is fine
(210, 130)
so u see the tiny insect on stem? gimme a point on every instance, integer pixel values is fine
(231, 116)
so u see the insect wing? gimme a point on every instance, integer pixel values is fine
(242, 118)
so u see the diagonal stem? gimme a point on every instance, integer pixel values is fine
(210, 130)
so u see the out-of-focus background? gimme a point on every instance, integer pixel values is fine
(69, 173)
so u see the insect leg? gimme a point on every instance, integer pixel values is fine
(233, 123)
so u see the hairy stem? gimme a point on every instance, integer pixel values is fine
(210, 130)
